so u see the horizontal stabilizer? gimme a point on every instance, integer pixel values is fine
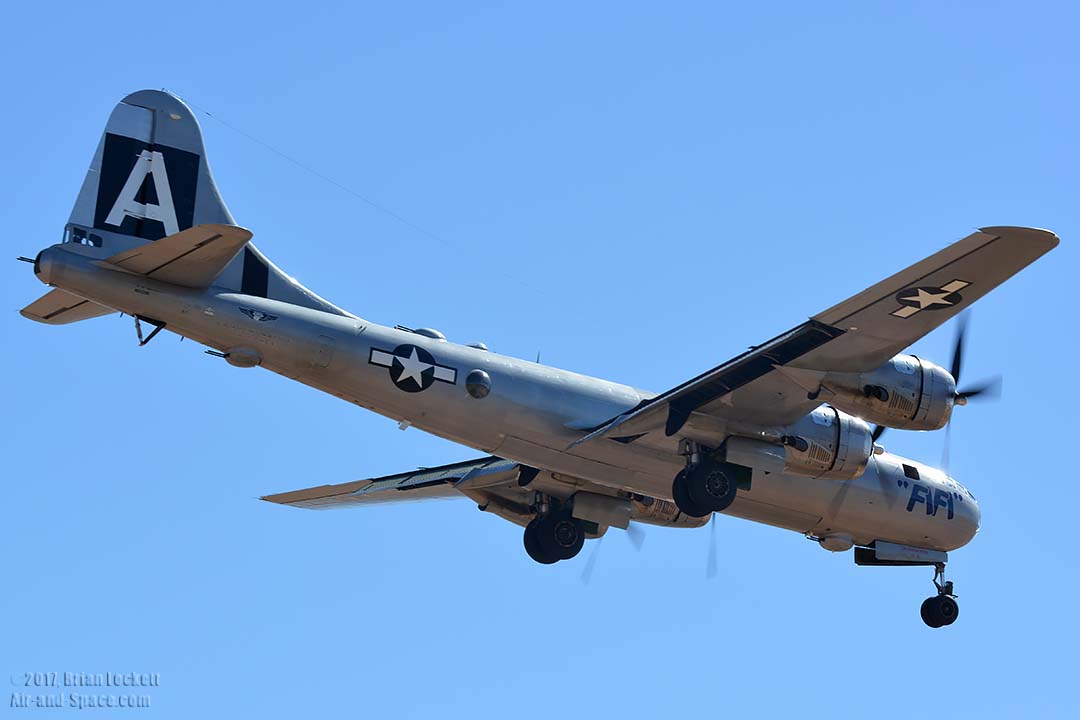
(190, 258)
(58, 307)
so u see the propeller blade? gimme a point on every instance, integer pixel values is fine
(636, 534)
(590, 564)
(945, 448)
(989, 389)
(958, 347)
(711, 565)
(838, 499)
(879, 430)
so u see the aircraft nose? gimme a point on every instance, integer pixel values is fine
(976, 514)
(969, 517)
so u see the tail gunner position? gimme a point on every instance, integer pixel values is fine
(778, 435)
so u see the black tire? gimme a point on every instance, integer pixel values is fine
(929, 612)
(560, 535)
(948, 610)
(533, 547)
(939, 611)
(681, 496)
(711, 485)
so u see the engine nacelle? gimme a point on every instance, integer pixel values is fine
(827, 443)
(907, 393)
(655, 511)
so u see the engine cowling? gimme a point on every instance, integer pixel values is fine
(827, 443)
(907, 393)
(655, 511)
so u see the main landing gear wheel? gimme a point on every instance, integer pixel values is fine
(704, 488)
(553, 537)
(940, 610)
(532, 545)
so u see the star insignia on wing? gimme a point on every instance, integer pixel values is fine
(915, 300)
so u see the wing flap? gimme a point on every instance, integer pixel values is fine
(423, 484)
(190, 258)
(59, 307)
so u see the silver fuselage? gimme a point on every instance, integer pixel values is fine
(532, 414)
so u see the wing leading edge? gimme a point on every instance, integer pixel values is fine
(856, 335)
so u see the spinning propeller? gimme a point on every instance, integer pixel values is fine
(987, 389)
(637, 539)
(711, 566)
(991, 387)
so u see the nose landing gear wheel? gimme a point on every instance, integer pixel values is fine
(939, 611)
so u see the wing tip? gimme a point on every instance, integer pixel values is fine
(288, 499)
(232, 231)
(1031, 235)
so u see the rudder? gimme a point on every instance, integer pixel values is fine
(149, 179)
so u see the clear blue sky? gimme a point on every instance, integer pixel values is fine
(636, 191)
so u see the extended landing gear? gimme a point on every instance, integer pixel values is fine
(554, 536)
(705, 486)
(941, 609)
(937, 611)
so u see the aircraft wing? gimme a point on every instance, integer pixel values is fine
(772, 384)
(423, 484)
(190, 258)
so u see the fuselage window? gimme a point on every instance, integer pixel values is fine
(80, 236)
(911, 473)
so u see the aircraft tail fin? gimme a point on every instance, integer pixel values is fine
(59, 307)
(150, 180)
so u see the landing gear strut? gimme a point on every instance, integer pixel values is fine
(554, 535)
(941, 609)
(937, 611)
(707, 485)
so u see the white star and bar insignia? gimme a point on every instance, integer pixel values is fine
(412, 368)
(916, 299)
